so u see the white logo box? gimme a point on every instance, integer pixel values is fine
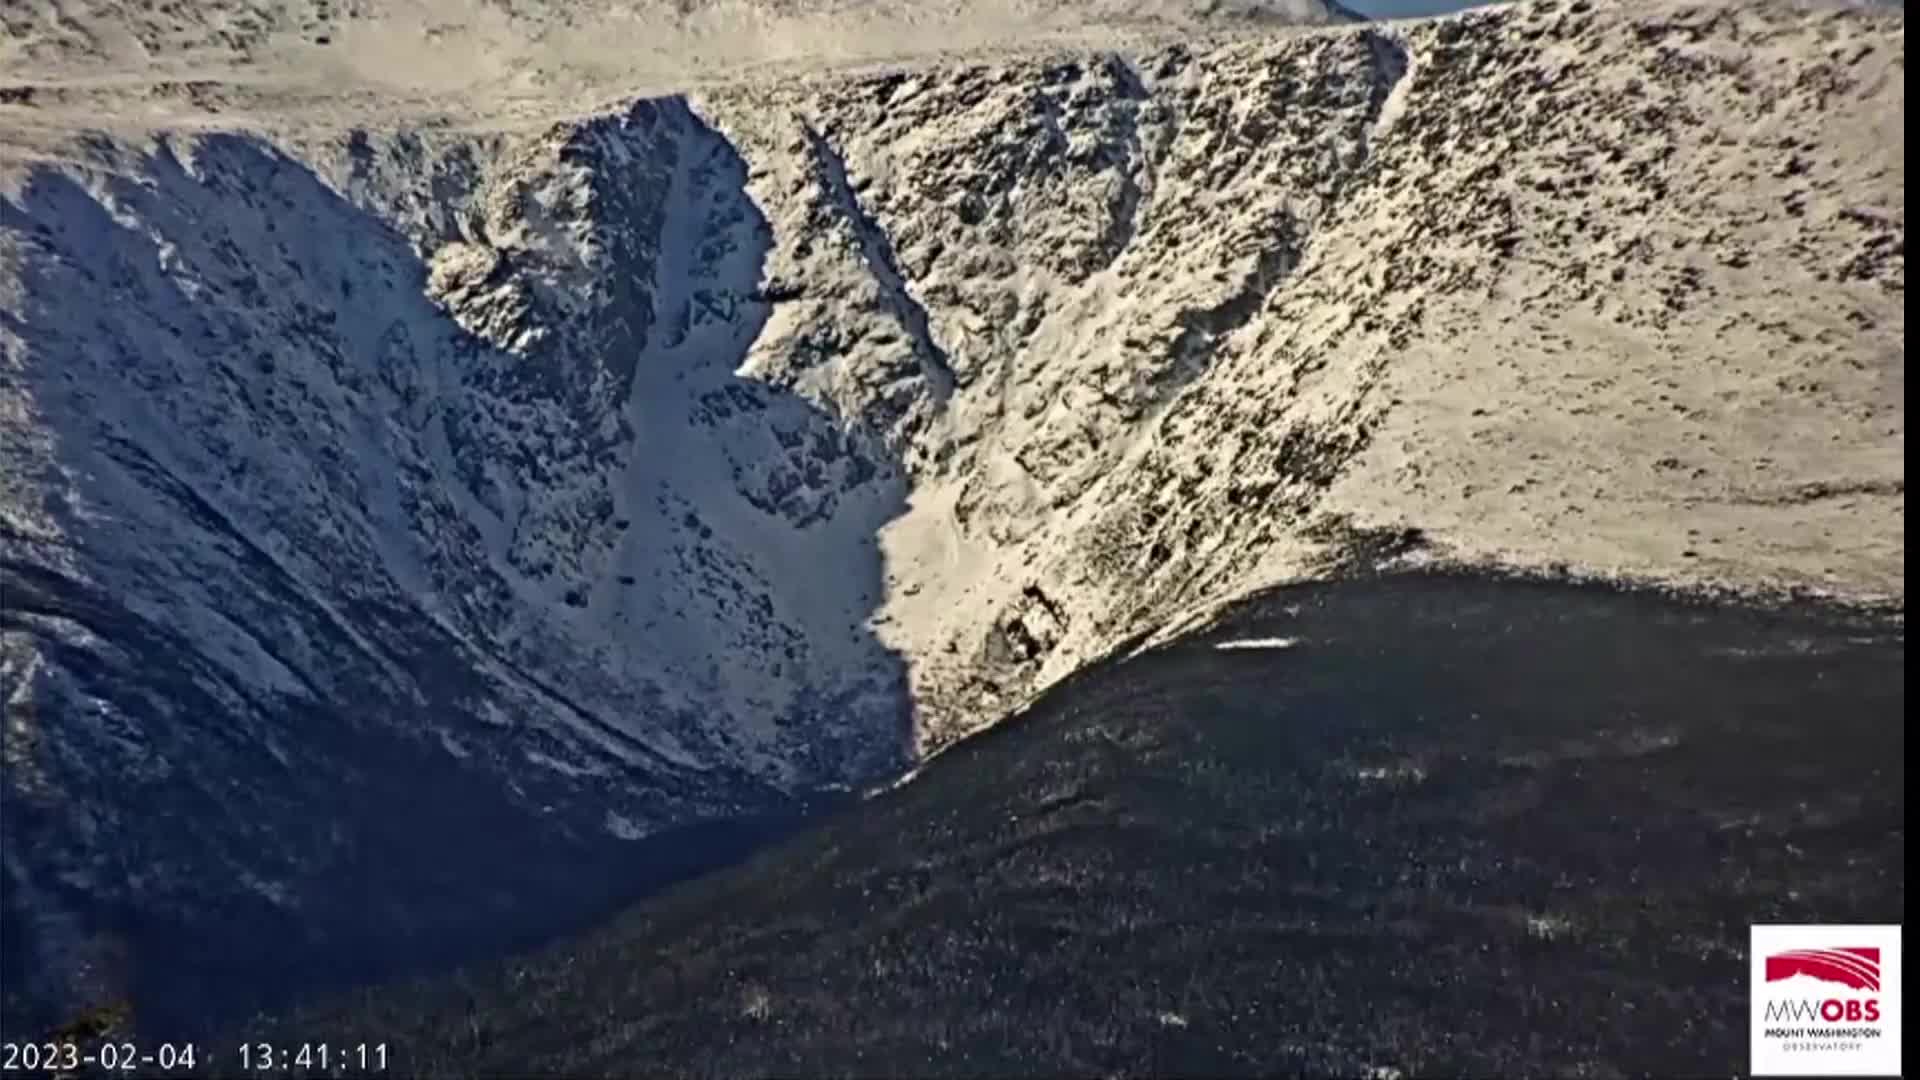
(1825, 1000)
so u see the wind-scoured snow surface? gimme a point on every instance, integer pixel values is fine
(400, 519)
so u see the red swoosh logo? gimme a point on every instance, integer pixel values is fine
(1857, 968)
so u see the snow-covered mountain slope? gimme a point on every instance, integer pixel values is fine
(399, 520)
(275, 62)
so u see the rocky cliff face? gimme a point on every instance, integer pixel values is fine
(400, 523)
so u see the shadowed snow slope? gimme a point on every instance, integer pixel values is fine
(401, 520)
(1462, 828)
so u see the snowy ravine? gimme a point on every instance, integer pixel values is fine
(398, 525)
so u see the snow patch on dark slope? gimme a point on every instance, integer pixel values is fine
(404, 526)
